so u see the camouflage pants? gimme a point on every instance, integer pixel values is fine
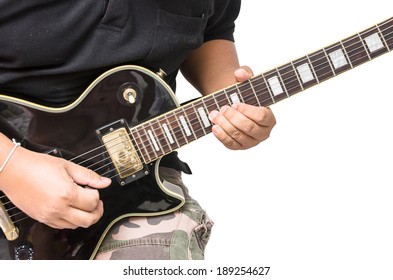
(182, 234)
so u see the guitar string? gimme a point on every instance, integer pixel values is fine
(161, 137)
(326, 65)
(243, 87)
(354, 53)
(294, 77)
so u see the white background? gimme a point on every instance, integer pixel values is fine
(314, 201)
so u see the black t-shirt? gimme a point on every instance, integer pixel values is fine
(51, 50)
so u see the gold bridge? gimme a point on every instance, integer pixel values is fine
(122, 152)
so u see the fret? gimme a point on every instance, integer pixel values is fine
(297, 75)
(167, 133)
(338, 58)
(221, 99)
(233, 95)
(187, 129)
(261, 90)
(305, 71)
(386, 28)
(143, 142)
(290, 79)
(194, 119)
(276, 86)
(176, 129)
(153, 140)
(153, 147)
(375, 46)
(321, 65)
(355, 50)
(250, 96)
(383, 39)
(346, 54)
(204, 117)
(139, 143)
(160, 137)
(268, 88)
(312, 70)
(210, 103)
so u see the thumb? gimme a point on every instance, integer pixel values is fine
(243, 73)
(86, 177)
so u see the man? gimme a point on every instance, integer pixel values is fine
(54, 49)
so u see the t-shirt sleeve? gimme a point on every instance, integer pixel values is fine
(222, 23)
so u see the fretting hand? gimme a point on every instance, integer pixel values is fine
(242, 126)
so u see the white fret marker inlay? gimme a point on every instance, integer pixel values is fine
(203, 116)
(338, 58)
(168, 133)
(373, 42)
(153, 140)
(275, 86)
(234, 98)
(305, 73)
(185, 126)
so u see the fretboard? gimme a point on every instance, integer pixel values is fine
(187, 123)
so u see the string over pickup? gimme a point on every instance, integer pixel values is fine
(122, 153)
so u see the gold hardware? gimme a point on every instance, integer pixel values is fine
(161, 73)
(10, 231)
(122, 152)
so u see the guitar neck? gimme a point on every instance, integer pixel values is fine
(187, 123)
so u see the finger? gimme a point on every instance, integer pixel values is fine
(61, 224)
(248, 132)
(84, 219)
(86, 177)
(260, 115)
(85, 199)
(227, 131)
(225, 139)
(243, 73)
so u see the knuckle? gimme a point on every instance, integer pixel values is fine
(67, 195)
(90, 175)
(235, 134)
(262, 117)
(249, 127)
(232, 145)
(85, 223)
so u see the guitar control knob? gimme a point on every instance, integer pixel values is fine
(24, 251)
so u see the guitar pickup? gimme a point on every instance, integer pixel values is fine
(122, 153)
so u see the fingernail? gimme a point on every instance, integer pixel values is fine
(223, 109)
(213, 114)
(240, 72)
(105, 180)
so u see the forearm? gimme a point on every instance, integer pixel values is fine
(211, 67)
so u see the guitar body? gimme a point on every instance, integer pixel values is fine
(119, 99)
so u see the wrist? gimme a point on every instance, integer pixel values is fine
(10, 153)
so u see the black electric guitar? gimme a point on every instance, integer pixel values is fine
(123, 124)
